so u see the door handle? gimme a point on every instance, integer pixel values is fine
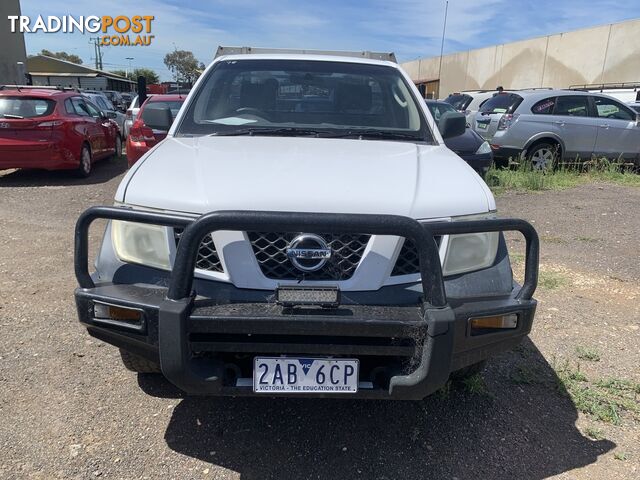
(558, 122)
(606, 125)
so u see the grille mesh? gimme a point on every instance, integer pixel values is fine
(270, 251)
(408, 262)
(207, 256)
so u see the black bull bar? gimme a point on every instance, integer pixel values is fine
(175, 310)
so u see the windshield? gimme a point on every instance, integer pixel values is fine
(302, 97)
(460, 101)
(501, 103)
(437, 109)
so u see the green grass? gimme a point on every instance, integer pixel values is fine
(604, 400)
(551, 280)
(586, 353)
(516, 258)
(522, 176)
(475, 385)
(622, 456)
(594, 433)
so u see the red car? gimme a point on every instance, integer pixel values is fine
(142, 136)
(54, 129)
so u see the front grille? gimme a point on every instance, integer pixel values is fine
(408, 262)
(270, 251)
(207, 256)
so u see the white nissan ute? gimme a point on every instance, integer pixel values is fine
(303, 230)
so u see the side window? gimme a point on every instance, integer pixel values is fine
(93, 111)
(609, 108)
(101, 103)
(80, 107)
(544, 107)
(573, 106)
(68, 106)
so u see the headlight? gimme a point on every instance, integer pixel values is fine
(484, 148)
(141, 243)
(470, 251)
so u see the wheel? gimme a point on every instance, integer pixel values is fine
(468, 371)
(543, 156)
(84, 169)
(118, 152)
(138, 364)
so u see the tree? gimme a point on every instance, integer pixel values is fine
(121, 73)
(184, 65)
(150, 75)
(69, 57)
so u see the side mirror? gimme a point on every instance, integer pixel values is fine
(157, 118)
(452, 124)
(638, 119)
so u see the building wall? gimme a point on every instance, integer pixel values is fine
(607, 53)
(12, 49)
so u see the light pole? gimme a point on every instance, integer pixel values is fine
(444, 29)
(129, 69)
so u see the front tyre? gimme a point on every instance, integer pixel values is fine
(138, 364)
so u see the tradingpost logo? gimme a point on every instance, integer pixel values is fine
(121, 30)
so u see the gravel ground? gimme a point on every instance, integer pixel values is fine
(70, 410)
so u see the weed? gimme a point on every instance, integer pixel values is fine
(594, 433)
(516, 258)
(622, 456)
(551, 280)
(445, 392)
(604, 400)
(552, 239)
(583, 238)
(475, 385)
(586, 353)
(522, 175)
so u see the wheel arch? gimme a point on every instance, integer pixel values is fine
(541, 137)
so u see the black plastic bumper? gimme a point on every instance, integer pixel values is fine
(480, 162)
(430, 338)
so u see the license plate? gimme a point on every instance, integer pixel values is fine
(482, 126)
(305, 375)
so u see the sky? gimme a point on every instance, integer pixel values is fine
(410, 28)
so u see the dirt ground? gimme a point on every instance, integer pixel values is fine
(70, 410)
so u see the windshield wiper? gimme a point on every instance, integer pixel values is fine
(372, 134)
(284, 131)
(10, 115)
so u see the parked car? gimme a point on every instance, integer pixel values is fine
(144, 134)
(54, 130)
(550, 126)
(128, 98)
(117, 99)
(132, 113)
(469, 102)
(113, 96)
(635, 106)
(104, 104)
(304, 230)
(469, 146)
